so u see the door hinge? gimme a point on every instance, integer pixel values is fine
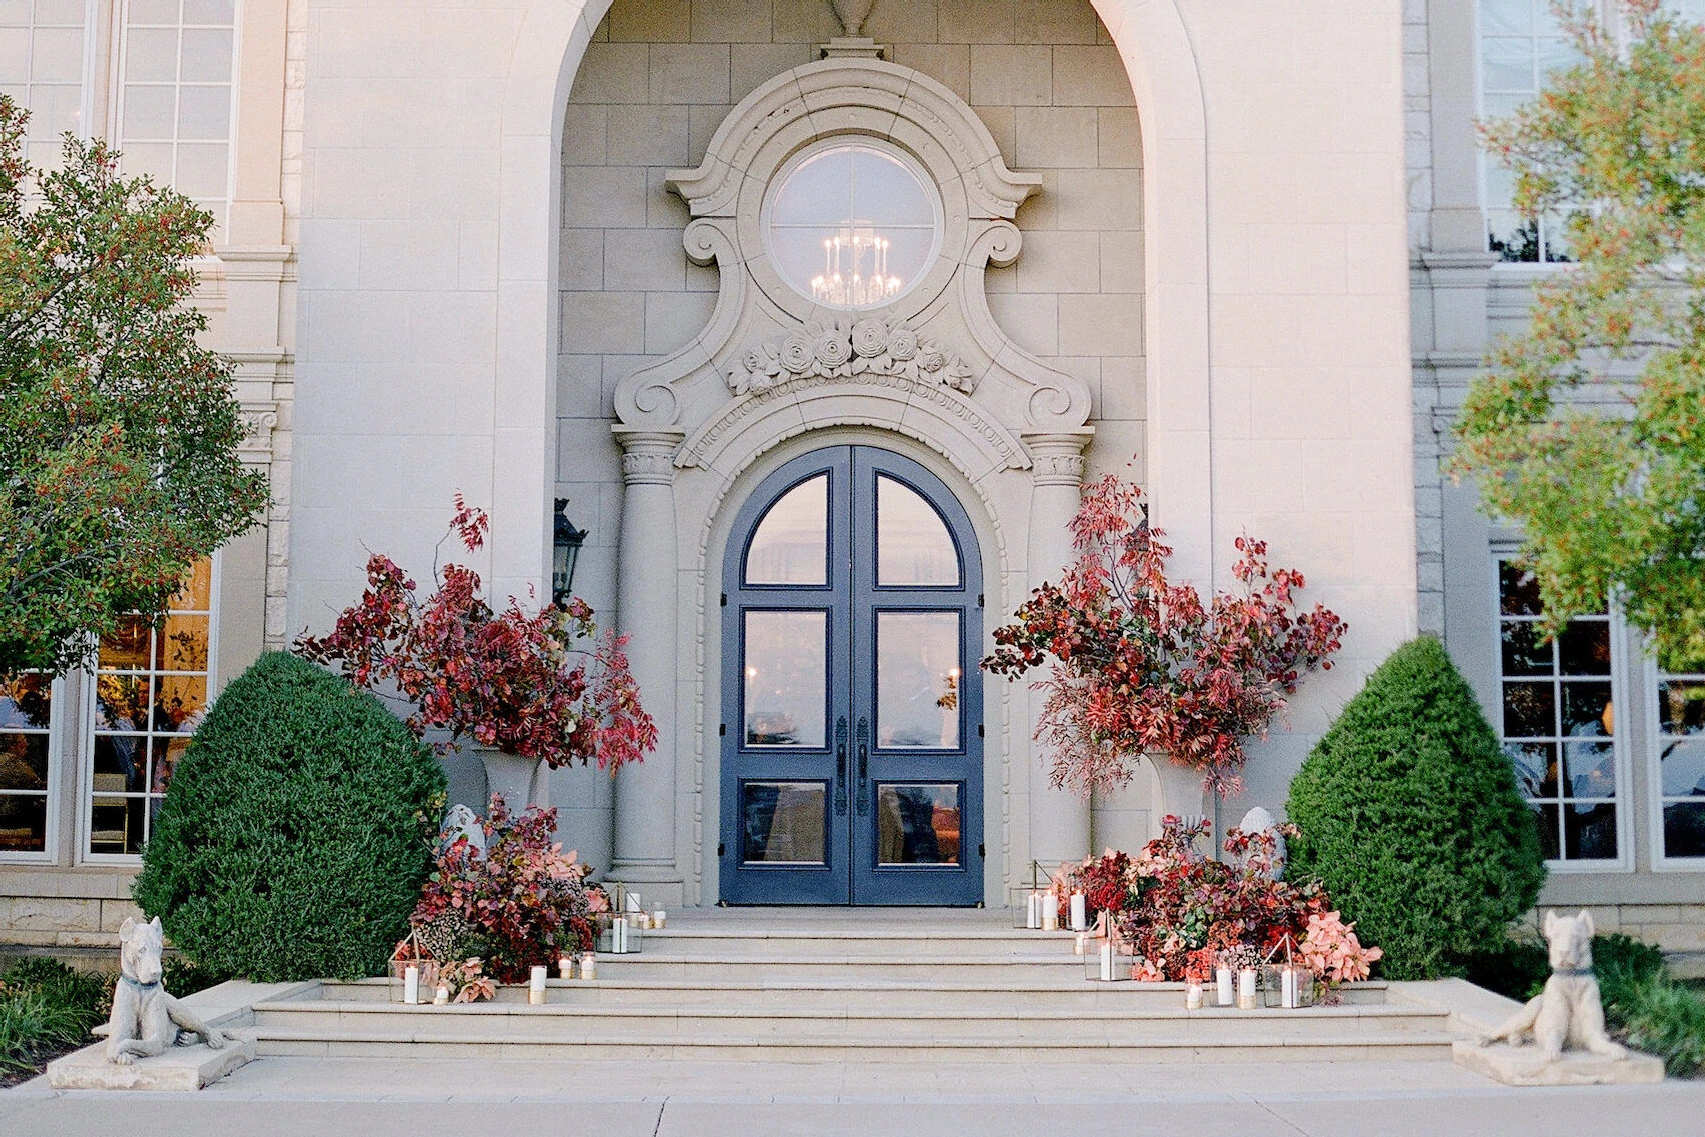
(980, 729)
(722, 730)
(725, 599)
(982, 851)
(721, 848)
(979, 599)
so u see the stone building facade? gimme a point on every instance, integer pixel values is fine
(541, 251)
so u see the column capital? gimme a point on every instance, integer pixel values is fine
(1057, 458)
(648, 456)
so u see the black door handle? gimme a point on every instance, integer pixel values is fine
(863, 767)
(841, 766)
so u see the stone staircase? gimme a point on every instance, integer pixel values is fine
(869, 986)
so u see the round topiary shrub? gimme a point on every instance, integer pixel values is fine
(1410, 816)
(295, 835)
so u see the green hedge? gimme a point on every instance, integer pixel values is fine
(1410, 816)
(296, 831)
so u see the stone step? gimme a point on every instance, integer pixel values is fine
(882, 941)
(966, 967)
(1068, 991)
(947, 1024)
(828, 1048)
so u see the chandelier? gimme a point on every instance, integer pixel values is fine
(855, 271)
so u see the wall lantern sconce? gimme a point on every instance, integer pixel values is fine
(565, 552)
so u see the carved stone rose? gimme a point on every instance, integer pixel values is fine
(869, 347)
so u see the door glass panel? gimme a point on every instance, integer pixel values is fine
(783, 822)
(917, 824)
(913, 546)
(917, 680)
(791, 543)
(787, 677)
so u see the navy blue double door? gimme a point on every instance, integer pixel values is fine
(850, 734)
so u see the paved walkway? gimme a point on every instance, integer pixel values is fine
(287, 1097)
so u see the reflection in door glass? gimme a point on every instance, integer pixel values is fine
(782, 822)
(913, 545)
(791, 543)
(787, 678)
(918, 674)
(917, 825)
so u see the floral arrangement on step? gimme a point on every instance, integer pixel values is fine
(523, 903)
(546, 686)
(1184, 913)
(1141, 666)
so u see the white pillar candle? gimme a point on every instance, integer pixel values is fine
(1222, 986)
(565, 967)
(1289, 988)
(1107, 960)
(588, 966)
(1080, 917)
(633, 902)
(1192, 996)
(1033, 910)
(536, 985)
(441, 997)
(1050, 911)
(411, 984)
(1246, 989)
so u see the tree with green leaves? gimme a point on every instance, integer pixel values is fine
(1589, 427)
(118, 430)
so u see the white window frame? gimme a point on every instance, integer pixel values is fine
(1661, 860)
(1620, 688)
(86, 736)
(55, 778)
(115, 121)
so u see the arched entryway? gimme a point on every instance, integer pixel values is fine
(850, 737)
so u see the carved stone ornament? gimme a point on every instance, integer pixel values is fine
(846, 350)
(775, 359)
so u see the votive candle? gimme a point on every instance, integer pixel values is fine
(588, 966)
(659, 918)
(1192, 996)
(1246, 989)
(1081, 946)
(441, 997)
(565, 967)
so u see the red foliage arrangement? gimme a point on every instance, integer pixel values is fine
(1182, 911)
(525, 898)
(1142, 666)
(521, 684)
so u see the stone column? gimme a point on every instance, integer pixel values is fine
(646, 585)
(1059, 819)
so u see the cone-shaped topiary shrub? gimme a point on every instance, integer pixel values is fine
(295, 834)
(1410, 816)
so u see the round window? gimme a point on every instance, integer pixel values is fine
(852, 226)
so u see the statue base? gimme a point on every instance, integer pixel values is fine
(1522, 1066)
(179, 1068)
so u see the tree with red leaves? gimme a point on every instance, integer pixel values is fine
(545, 686)
(1142, 666)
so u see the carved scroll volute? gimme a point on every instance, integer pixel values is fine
(651, 397)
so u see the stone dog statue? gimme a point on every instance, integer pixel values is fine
(145, 1020)
(1568, 1012)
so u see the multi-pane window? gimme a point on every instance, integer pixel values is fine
(42, 62)
(26, 713)
(150, 692)
(1559, 722)
(1520, 44)
(175, 101)
(1680, 772)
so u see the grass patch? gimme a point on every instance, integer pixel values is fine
(47, 1009)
